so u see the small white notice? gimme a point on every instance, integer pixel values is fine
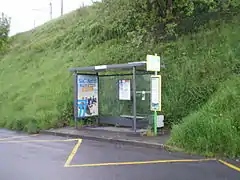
(160, 121)
(124, 89)
(153, 63)
(100, 67)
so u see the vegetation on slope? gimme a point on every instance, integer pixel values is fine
(36, 88)
(215, 128)
(4, 31)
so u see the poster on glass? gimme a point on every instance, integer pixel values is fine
(87, 96)
(124, 89)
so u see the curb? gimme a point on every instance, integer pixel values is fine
(104, 139)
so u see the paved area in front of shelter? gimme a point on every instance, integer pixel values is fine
(27, 157)
(111, 134)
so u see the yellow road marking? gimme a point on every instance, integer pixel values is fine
(74, 151)
(141, 162)
(15, 137)
(230, 165)
(28, 141)
(79, 141)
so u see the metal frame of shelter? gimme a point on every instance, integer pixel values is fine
(96, 70)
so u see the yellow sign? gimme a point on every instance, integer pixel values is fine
(87, 89)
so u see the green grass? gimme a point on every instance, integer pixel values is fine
(36, 87)
(215, 128)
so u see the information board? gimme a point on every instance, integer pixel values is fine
(87, 96)
(156, 93)
(124, 89)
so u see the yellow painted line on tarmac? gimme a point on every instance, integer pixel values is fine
(230, 165)
(29, 141)
(74, 151)
(141, 162)
(16, 137)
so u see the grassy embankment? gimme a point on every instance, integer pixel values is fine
(200, 90)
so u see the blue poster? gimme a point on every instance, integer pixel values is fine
(87, 101)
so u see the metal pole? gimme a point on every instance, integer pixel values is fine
(75, 98)
(50, 5)
(155, 116)
(98, 118)
(134, 100)
(61, 7)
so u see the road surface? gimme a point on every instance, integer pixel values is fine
(38, 157)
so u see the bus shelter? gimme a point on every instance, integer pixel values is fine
(116, 94)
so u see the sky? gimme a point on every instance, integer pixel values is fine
(25, 14)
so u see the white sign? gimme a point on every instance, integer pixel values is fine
(160, 121)
(87, 89)
(100, 67)
(124, 89)
(156, 93)
(153, 63)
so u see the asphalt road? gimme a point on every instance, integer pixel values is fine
(39, 157)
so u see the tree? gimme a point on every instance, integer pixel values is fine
(4, 31)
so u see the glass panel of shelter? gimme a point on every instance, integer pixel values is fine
(108, 91)
(143, 96)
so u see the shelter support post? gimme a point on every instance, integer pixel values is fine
(98, 117)
(75, 97)
(134, 100)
